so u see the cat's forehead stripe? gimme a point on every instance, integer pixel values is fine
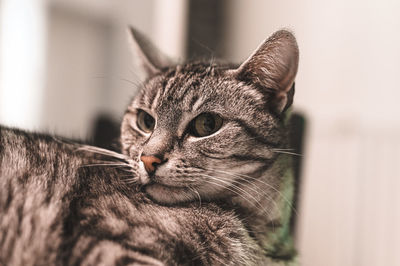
(197, 102)
(171, 82)
(177, 85)
(148, 93)
(155, 100)
(189, 88)
(182, 82)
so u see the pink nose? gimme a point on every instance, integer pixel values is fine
(150, 163)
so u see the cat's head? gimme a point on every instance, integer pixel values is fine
(199, 129)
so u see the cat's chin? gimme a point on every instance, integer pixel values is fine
(168, 195)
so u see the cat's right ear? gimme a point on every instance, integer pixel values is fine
(152, 61)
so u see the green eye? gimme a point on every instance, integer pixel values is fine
(206, 124)
(145, 122)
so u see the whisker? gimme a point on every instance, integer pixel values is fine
(254, 190)
(130, 176)
(130, 180)
(283, 149)
(273, 188)
(197, 193)
(286, 152)
(121, 168)
(255, 204)
(248, 186)
(137, 84)
(225, 187)
(245, 193)
(102, 151)
(108, 164)
(243, 177)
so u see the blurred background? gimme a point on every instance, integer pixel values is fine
(66, 68)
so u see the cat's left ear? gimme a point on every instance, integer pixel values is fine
(151, 59)
(273, 68)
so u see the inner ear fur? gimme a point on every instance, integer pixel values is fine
(273, 67)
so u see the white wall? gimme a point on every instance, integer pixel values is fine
(58, 76)
(22, 62)
(348, 88)
(164, 23)
(90, 68)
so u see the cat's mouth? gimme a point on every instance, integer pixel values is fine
(164, 190)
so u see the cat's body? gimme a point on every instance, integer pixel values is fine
(204, 178)
(60, 205)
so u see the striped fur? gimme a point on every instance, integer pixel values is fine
(60, 204)
(222, 199)
(243, 164)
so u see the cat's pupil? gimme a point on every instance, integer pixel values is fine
(145, 122)
(148, 121)
(209, 123)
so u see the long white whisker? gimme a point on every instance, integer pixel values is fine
(225, 187)
(245, 193)
(197, 193)
(130, 180)
(252, 189)
(286, 152)
(109, 164)
(102, 151)
(255, 204)
(119, 167)
(243, 177)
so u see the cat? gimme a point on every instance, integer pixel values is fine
(203, 177)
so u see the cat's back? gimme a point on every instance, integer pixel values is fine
(36, 175)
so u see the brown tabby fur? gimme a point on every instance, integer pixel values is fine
(215, 200)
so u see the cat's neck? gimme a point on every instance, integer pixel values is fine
(265, 208)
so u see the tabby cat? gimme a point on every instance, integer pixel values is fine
(203, 177)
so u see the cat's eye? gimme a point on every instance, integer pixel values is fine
(145, 122)
(205, 124)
